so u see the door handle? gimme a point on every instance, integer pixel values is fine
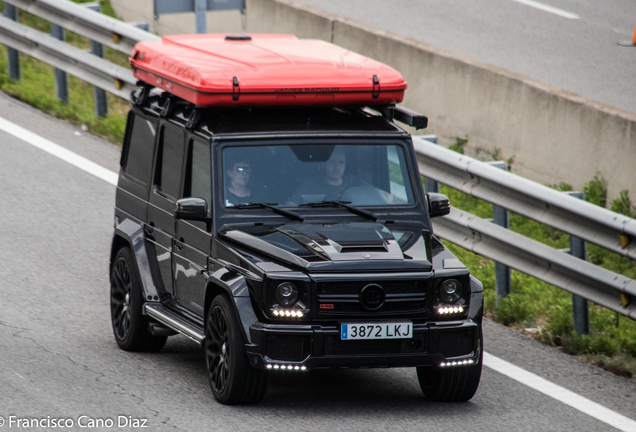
(178, 245)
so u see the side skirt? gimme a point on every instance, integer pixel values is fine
(176, 322)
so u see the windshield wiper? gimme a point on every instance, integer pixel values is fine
(278, 210)
(344, 204)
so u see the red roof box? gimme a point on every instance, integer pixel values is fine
(264, 69)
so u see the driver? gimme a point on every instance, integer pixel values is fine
(329, 184)
(237, 190)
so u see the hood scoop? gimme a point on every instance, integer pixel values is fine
(346, 242)
(347, 247)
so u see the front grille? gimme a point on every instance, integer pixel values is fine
(343, 297)
(337, 346)
(288, 348)
(354, 287)
(456, 343)
(390, 346)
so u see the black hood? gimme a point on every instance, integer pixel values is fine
(339, 247)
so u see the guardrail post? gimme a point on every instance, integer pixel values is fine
(101, 99)
(200, 9)
(61, 79)
(501, 217)
(143, 25)
(13, 55)
(580, 307)
(430, 185)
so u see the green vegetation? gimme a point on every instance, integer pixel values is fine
(544, 311)
(459, 144)
(37, 85)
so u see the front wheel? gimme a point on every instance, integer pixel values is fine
(130, 326)
(232, 379)
(451, 384)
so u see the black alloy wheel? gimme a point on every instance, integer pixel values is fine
(452, 384)
(121, 286)
(130, 326)
(218, 354)
(232, 379)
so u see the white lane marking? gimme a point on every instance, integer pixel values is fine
(546, 8)
(516, 373)
(59, 151)
(568, 397)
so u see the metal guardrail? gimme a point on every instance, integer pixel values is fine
(562, 270)
(99, 72)
(93, 25)
(542, 204)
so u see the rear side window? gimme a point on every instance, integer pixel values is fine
(138, 162)
(170, 161)
(199, 174)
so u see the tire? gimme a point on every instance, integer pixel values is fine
(232, 379)
(130, 326)
(454, 384)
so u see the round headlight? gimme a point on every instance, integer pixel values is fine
(451, 290)
(286, 294)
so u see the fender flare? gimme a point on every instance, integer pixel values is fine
(238, 291)
(131, 234)
(476, 310)
(476, 285)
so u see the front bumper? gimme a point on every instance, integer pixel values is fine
(305, 347)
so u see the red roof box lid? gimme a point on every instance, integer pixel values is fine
(264, 69)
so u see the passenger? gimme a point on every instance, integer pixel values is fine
(237, 191)
(329, 184)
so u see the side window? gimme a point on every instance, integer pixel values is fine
(138, 161)
(399, 177)
(198, 181)
(170, 161)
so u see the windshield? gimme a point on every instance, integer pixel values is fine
(297, 175)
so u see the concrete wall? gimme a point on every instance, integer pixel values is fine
(553, 135)
(142, 10)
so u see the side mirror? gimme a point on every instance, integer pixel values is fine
(438, 204)
(192, 209)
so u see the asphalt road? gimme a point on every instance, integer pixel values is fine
(579, 55)
(58, 357)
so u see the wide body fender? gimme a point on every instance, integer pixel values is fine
(132, 234)
(235, 285)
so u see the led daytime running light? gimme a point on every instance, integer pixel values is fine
(288, 313)
(287, 367)
(457, 363)
(451, 309)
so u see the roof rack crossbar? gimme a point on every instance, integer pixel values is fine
(410, 118)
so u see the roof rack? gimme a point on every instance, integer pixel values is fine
(401, 114)
(167, 103)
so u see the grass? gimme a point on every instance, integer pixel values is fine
(37, 85)
(544, 311)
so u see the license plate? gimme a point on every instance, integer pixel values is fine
(402, 330)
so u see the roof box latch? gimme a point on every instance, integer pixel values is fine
(238, 37)
(236, 89)
(376, 87)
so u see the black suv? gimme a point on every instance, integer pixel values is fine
(284, 240)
